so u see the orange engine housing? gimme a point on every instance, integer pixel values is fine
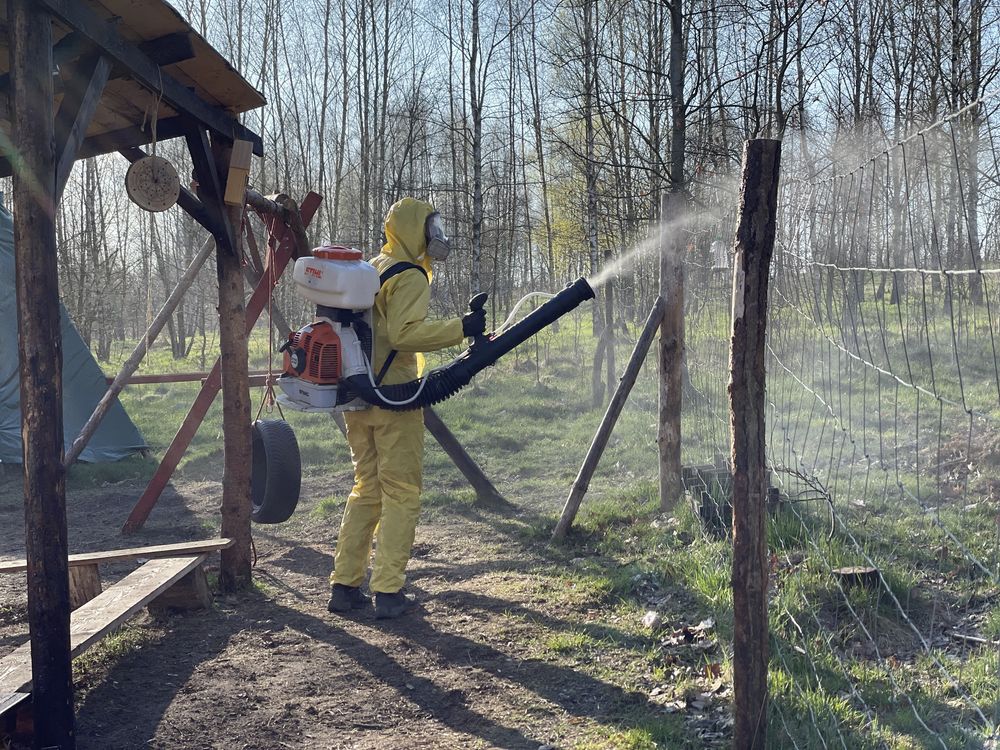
(313, 354)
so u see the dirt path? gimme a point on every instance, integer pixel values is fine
(273, 669)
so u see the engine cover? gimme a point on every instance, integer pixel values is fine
(317, 360)
(313, 354)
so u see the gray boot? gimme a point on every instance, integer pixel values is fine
(389, 606)
(345, 598)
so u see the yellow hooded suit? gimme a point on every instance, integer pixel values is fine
(386, 446)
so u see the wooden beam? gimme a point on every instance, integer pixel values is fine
(614, 410)
(132, 136)
(176, 549)
(486, 493)
(671, 351)
(210, 187)
(147, 73)
(257, 377)
(237, 561)
(119, 140)
(169, 49)
(40, 350)
(83, 93)
(165, 50)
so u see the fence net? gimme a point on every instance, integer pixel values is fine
(883, 399)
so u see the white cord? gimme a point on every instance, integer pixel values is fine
(513, 312)
(387, 401)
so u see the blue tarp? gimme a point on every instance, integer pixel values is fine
(83, 381)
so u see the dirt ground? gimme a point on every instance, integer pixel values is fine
(273, 669)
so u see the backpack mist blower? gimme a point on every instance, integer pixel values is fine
(328, 364)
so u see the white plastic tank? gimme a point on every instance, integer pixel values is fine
(336, 276)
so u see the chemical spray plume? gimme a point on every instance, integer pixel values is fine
(657, 241)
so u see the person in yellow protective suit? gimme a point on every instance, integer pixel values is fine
(387, 446)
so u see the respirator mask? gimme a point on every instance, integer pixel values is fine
(438, 246)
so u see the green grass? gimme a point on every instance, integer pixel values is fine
(110, 649)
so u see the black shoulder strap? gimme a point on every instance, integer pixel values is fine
(394, 270)
(398, 268)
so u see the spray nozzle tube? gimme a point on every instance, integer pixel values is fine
(445, 381)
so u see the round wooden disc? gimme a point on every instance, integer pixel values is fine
(152, 183)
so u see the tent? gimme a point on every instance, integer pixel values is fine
(83, 382)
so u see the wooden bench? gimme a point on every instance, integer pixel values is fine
(173, 577)
(84, 574)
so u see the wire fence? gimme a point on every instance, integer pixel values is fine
(883, 443)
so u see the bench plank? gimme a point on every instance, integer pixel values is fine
(12, 700)
(103, 613)
(153, 552)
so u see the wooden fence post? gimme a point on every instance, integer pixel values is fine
(40, 349)
(671, 354)
(614, 410)
(754, 246)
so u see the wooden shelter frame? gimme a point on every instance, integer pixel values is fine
(50, 129)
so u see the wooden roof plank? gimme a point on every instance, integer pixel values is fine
(146, 72)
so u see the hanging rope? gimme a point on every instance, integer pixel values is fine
(269, 400)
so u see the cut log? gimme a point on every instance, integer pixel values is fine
(855, 575)
(84, 584)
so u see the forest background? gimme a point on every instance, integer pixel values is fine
(544, 131)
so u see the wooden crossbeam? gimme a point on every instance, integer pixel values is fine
(132, 136)
(210, 187)
(83, 94)
(122, 140)
(145, 71)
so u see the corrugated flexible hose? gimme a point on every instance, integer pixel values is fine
(445, 381)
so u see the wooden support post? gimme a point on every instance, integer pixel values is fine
(133, 362)
(40, 348)
(754, 246)
(607, 425)
(485, 491)
(671, 354)
(234, 570)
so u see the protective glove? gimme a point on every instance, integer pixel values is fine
(474, 323)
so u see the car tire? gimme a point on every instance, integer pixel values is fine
(276, 475)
